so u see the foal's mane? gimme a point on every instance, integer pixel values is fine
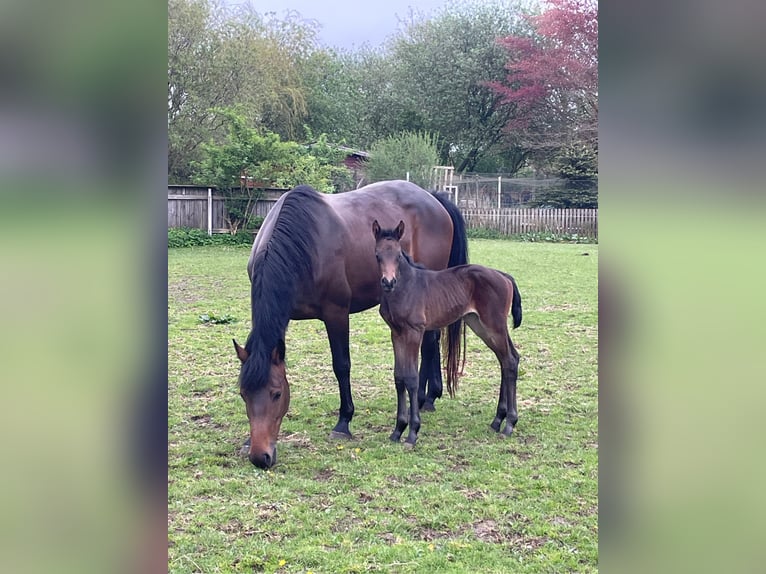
(285, 262)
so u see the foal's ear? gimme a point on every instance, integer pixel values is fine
(241, 353)
(376, 229)
(399, 231)
(278, 354)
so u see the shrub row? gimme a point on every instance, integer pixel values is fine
(534, 237)
(189, 237)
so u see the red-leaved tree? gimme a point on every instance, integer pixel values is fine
(553, 78)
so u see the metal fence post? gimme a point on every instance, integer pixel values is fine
(209, 211)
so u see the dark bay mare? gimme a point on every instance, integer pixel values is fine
(314, 258)
(416, 300)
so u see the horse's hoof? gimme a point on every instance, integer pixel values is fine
(495, 426)
(395, 437)
(409, 445)
(336, 435)
(507, 431)
(428, 406)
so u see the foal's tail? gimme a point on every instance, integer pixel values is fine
(453, 345)
(515, 303)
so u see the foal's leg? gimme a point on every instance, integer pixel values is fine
(509, 377)
(430, 383)
(494, 333)
(406, 345)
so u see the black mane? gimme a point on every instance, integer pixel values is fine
(283, 264)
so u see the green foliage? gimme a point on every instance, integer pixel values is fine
(440, 71)
(191, 237)
(577, 165)
(214, 319)
(394, 156)
(220, 56)
(484, 233)
(266, 161)
(532, 237)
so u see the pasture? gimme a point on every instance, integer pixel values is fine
(464, 500)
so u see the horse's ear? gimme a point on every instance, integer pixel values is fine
(241, 353)
(399, 231)
(376, 229)
(278, 354)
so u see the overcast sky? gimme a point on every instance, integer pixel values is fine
(347, 24)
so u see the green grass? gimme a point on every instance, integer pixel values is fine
(464, 500)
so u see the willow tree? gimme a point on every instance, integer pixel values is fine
(220, 56)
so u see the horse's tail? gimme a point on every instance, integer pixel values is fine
(453, 345)
(459, 251)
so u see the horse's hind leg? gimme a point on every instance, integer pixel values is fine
(430, 378)
(496, 338)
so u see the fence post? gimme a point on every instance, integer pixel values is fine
(209, 211)
(408, 176)
(499, 189)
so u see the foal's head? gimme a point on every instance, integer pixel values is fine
(388, 252)
(266, 400)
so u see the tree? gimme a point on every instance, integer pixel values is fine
(577, 165)
(552, 78)
(221, 57)
(251, 159)
(394, 156)
(441, 73)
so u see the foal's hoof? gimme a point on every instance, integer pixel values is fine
(428, 406)
(507, 431)
(495, 425)
(337, 435)
(409, 445)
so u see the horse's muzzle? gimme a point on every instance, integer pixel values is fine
(264, 459)
(387, 285)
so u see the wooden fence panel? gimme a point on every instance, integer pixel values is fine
(514, 221)
(191, 211)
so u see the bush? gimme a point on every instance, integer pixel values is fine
(190, 237)
(394, 156)
(533, 237)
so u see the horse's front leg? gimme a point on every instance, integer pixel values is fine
(406, 347)
(401, 410)
(336, 324)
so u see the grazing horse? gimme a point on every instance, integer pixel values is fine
(416, 300)
(313, 258)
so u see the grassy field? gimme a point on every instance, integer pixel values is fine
(464, 500)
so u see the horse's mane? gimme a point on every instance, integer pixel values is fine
(278, 269)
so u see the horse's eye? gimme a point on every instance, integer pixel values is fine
(277, 396)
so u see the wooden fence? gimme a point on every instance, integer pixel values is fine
(514, 221)
(200, 207)
(193, 206)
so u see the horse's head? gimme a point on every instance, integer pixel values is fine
(266, 401)
(388, 252)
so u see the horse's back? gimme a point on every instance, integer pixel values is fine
(428, 227)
